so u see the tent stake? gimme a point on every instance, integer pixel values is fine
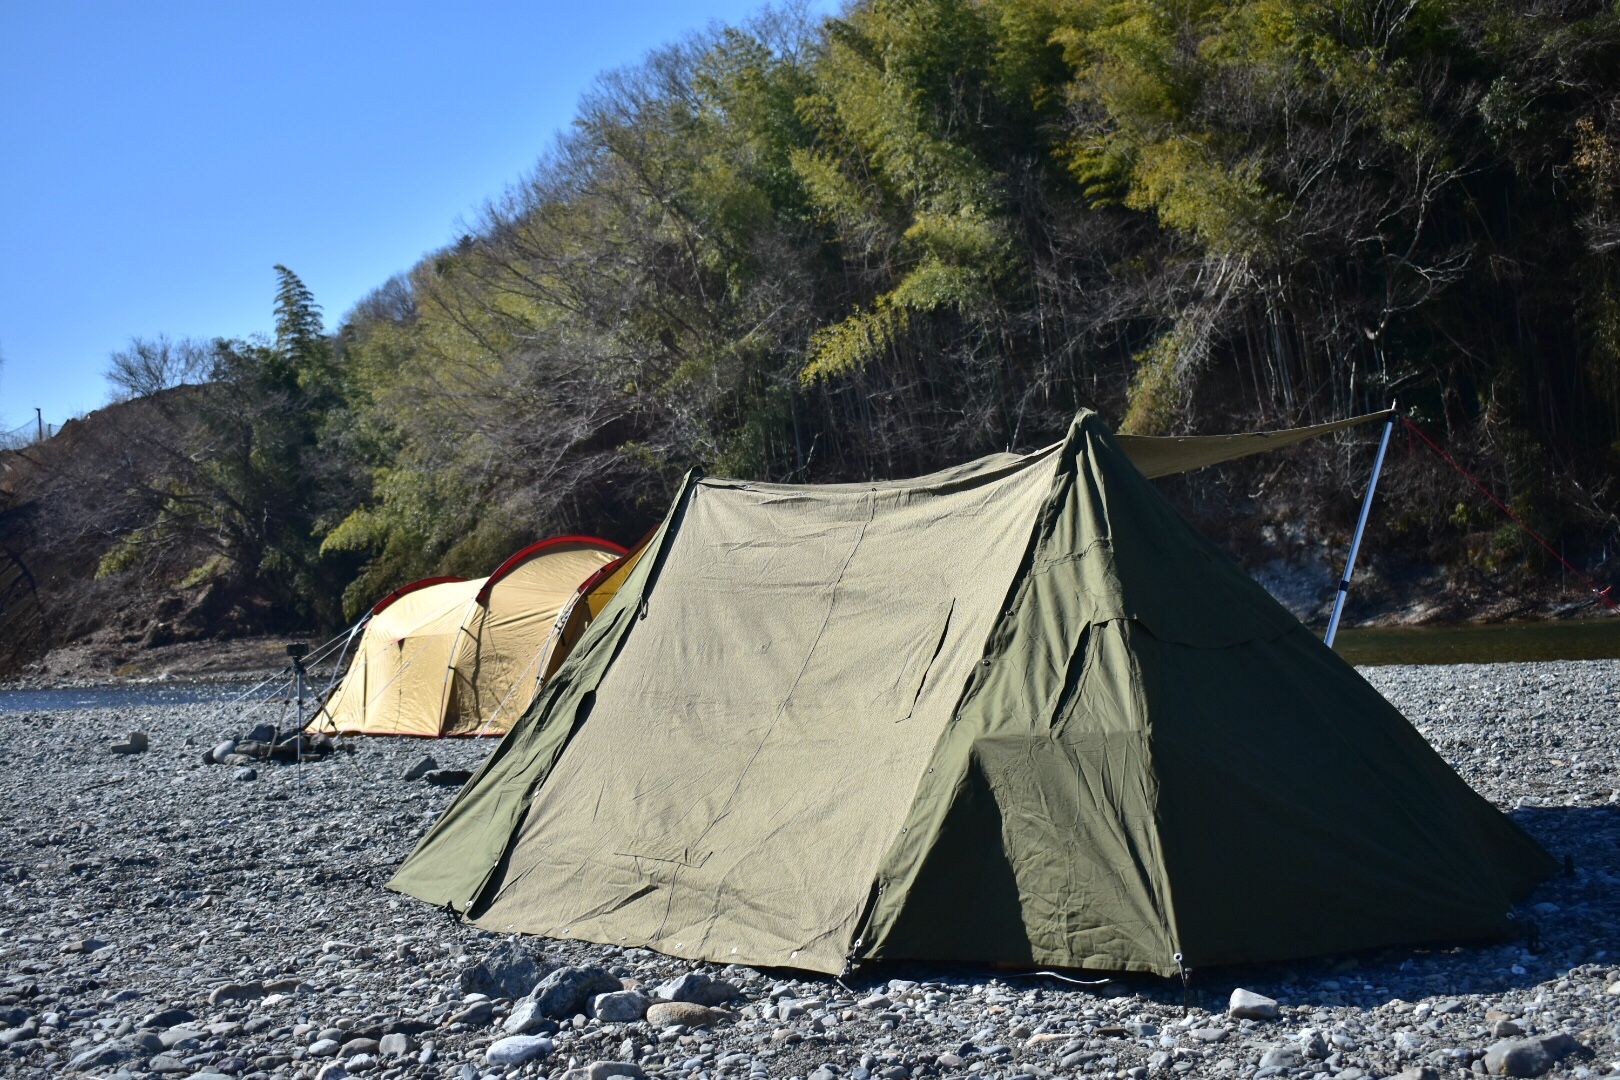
(1361, 526)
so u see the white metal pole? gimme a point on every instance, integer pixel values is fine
(1361, 526)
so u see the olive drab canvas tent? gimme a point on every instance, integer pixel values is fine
(1014, 711)
(447, 656)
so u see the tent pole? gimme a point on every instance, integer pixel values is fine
(1361, 527)
(450, 667)
(298, 717)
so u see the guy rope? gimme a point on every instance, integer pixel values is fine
(1604, 593)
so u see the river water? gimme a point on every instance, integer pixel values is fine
(1597, 638)
(1568, 639)
(108, 697)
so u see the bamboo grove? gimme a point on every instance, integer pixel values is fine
(814, 250)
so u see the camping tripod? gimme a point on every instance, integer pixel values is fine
(297, 651)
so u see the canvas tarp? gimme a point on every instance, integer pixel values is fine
(1167, 455)
(1014, 711)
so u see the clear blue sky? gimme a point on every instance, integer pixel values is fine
(157, 158)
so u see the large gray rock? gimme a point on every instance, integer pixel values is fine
(181, 1033)
(1248, 1005)
(133, 743)
(1312, 1045)
(517, 1049)
(422, 767)
(683, 1013)
(356, 1047)
(477, 1014)
(12, 1036)
(168, 1018)
(395, 1045)
(1529, 1057)
(604, 1070)
(220, 752)
(98, 1057)
(83, 945)
(246, 991)
(447, 777)
(527, 1019)
(566, 991)
(1285, 1056)
(697, 988)
(509, 971)
(620, 1006)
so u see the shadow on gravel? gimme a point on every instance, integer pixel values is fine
(1570, 920)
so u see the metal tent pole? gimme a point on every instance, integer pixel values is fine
(1361, 527)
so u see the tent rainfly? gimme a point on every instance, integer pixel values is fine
(1015, 711)
(447, 656)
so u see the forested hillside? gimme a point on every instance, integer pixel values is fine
(818, 250)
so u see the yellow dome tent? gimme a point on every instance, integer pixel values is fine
(446, 656)
(588, 603)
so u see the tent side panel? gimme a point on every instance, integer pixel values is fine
(1045, 855)
(1292, 784)
(750, 756)
(459, 858)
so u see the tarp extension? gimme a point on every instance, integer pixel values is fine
(1167, 455)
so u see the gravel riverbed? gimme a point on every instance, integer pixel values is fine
(162, 917)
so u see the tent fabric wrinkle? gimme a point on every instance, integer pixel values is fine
(1013, 711)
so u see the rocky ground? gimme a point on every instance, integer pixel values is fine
(167, 917)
